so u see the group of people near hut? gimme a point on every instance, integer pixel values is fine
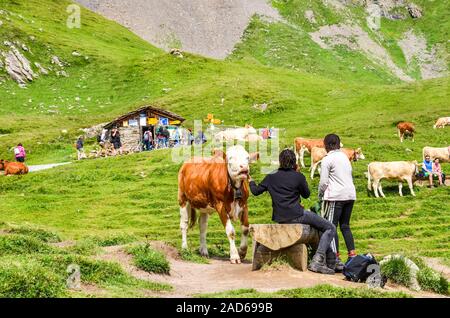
(336, 192)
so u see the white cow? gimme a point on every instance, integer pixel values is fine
(443, 154)
(442, 122)
(247, 133)
(397, 170)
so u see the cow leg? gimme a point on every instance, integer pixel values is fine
(313, 169)
(245, 232)
(400, 187)
(410, 184)
(302, 156)
(184, 220)
(231, 234)
(375, 188)
(203, 229)
(381, 190)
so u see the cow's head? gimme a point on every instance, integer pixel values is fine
(238, 163)
(3, 164)
(359, 154)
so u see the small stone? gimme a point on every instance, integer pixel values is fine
(75, 53)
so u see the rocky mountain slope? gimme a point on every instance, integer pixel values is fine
(357, 35)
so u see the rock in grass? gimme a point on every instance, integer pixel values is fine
(18, 67)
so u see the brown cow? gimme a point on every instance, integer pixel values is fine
(317, 154)
(303, 144)
(13, 168)
(405, 129)
(216, 184)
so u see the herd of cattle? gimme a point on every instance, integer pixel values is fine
(218, 184)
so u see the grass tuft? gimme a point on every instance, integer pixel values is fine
(149, 260)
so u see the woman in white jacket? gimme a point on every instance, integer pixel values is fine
(338, 193)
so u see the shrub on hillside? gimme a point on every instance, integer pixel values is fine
(40, 234)
(149, 260)
(19, 244)
(430, 280)
(397, 271)
(29, 280)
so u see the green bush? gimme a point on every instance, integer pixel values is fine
(191, 256)
(92, 271)
(149, 260)
(40, 234)
(430, 280)
(29, 280)
(397, 271)
(19, 244)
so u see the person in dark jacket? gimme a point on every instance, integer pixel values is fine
(286, 186)
(116, 141)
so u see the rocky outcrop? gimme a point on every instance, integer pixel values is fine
(17, 66)
(356, 39)
(414, 11)
(210, 28)
(414, 269)
(417, 51)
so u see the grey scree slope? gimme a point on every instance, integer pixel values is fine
(207, 27)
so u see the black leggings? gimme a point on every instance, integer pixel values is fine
(339, 213)
(327, 230)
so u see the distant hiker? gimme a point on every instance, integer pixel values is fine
(338, 193)
(166, 135)
(116, 141)
(265, 133)
(191, 138)
(286, 187)
(80, 148)
(20, 153)
(177, 137)
(148, 140)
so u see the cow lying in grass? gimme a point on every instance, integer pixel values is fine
(317, 154)
(13, 168)
(397, 170)
(216, 184)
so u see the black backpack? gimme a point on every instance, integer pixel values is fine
(357, 268)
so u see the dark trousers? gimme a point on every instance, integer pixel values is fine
(339, 213)
(327, 229)
(20, 159)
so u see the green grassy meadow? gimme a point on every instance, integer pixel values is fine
(135, 196)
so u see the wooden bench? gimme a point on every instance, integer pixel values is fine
(271, 241)
(423, 182)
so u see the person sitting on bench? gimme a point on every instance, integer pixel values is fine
(286, 185)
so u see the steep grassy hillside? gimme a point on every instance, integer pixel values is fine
(136, 195)
(288, 44)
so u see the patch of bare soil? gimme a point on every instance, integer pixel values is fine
(210, 28)
(189, 279)
(63, 244)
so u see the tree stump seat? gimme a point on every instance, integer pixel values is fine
(271, 241)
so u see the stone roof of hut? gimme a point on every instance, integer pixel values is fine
(158, 111)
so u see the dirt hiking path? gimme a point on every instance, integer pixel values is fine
(189, 279)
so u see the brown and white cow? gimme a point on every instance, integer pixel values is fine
(405, 129)
(13, 168)
(317, 154)
(216, 184)
(396, 170)
(443, 154)
(303, 145)
(442, 122)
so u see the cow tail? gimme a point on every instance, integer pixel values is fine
(192, 216)
(369, 181)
